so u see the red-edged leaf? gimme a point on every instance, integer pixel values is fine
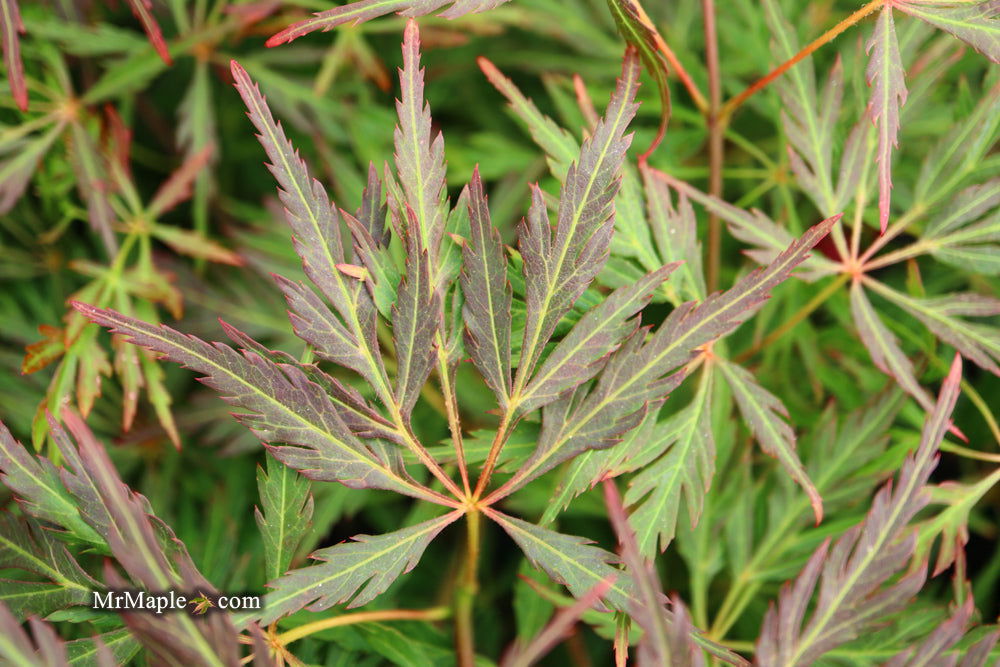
(885, 75)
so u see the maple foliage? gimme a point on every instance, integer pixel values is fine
(448, 346)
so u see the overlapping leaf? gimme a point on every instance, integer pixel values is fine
(637, 376)
(284, 406)
(979, 343)
(852, 574)
(884, 347)
(317, 237)
(765, 414)
(683, 462)
(24, 545)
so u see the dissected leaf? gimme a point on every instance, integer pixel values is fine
(683, 462)
(975, 23)
(765, 414)
(884, 347)
(558, 268)
(367, 564)
(852, 574)
(638, 374)
(487, 294)
(419, 155)
(284, 515)
(365, 10)
(24, 545)
(886, 77)
(284, 407)
(569, 560)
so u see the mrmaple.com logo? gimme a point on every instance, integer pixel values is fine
(158, 603)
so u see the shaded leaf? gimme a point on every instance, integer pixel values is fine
(284, 515)
(368, 564)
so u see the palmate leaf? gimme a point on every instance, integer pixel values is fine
(487, 295)
(569, 560)
(638, 376)
(558, 268)
(765, 414)
(885, 75)
(368, 564)
(851, 574)
(365, 10)
(283, 404)
(975, 23)
(284, 515)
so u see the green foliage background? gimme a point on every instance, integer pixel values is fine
(334, 92)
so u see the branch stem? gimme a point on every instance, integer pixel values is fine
(432, 614)
(716, 136)
(465, 594)
(491, 459)
(733, 104)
